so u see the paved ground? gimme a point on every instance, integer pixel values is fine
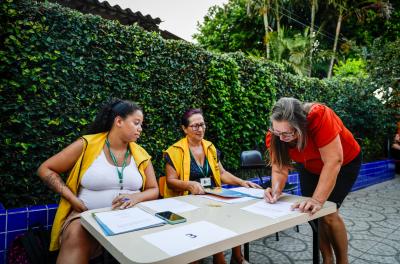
(372, 217)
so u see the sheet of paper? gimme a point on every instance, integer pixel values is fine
(168, 204)
(189, 237)
(121, 221)
(258, 193)
(275, 210)
(225, 199)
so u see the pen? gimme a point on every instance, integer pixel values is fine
(274, 191)
(214, 205)
(124, 199)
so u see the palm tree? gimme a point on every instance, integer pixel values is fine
(261, 7)
(314, 7)
(341, 6)
(291, 51)
(277, 13)
(359, 8)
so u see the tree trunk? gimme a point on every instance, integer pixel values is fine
(312, 36)
(277, 16)
(266, 26)
(339, 23)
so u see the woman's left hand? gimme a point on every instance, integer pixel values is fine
(310, 205)
(249, 184)
(123, 201)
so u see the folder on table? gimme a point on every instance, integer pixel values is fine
(219, 191)
(121, 221)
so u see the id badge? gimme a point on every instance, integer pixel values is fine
(205, 182)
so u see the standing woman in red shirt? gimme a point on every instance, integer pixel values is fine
(328, 160)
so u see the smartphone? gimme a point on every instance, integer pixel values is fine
(171, 217)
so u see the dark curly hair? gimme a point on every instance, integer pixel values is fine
(109, 111)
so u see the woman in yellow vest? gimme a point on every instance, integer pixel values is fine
(192, 164)
(107, 169)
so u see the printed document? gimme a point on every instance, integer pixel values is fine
(168, 204)
(189, 237)
(122, 221)
(275, 210)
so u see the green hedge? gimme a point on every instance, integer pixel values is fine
(60, 66)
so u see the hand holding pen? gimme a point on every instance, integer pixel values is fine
(271, 195)
(122, 201)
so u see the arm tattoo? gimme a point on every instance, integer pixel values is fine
(54, 182)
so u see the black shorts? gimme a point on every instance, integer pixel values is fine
(345, 180)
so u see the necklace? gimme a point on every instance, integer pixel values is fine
(114, 159)
(203, 170)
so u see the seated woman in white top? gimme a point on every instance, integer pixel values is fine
(107, 169)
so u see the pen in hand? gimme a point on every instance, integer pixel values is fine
(275, 192)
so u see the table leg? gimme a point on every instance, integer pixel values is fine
(247, 251)
(314, 226)
(107, 258)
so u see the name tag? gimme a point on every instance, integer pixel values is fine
(205, 182)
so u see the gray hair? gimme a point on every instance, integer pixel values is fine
(292, 111)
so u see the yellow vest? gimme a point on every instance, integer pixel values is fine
(180, 157)
(93, 145)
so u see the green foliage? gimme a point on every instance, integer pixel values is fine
(293, 51)
(384, 69)
(362, 113)
(60, 66)
(373, 25)
(230, 29)
(350, 68)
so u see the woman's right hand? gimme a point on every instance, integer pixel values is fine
(271, 196)
(78, 205)
(195, 188)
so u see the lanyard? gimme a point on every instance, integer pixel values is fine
(114, 159)
(205, 169)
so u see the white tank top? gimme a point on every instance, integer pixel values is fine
(100, 183)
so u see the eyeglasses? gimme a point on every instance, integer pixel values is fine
(196, 127)
(283, 134)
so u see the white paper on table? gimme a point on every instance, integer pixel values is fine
(189, 237)
(121, 221)
(168, 204)
(255, 192)
(274, 210)
(225, 199)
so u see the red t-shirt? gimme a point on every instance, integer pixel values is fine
(323, 126)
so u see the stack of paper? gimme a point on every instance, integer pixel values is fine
(122, 221)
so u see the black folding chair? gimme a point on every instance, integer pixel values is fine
(252, 160)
